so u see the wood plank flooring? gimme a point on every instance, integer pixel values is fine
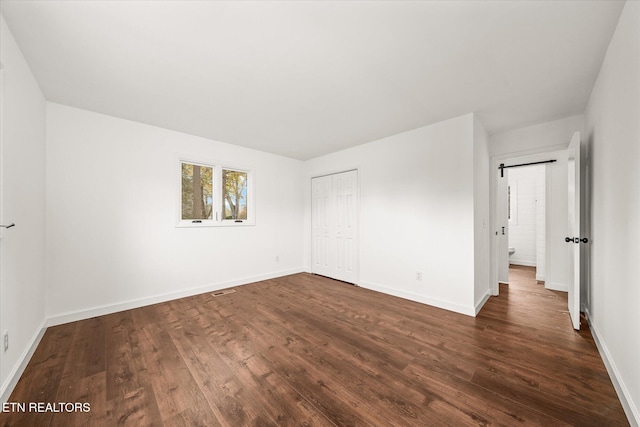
(310, 351)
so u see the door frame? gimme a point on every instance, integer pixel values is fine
(358, 216)
(518, 156)
(2, 230)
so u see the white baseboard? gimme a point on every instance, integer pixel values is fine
(481, 303)
(556, 286)
(630, 409)
(21, 364)
(522, 262)
(74, 316)
(468, 310)
(540, 277)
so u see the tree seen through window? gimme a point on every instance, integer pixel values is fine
(234, 197)
(197, 192)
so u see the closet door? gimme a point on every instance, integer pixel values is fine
(335, 226)
(321, 211)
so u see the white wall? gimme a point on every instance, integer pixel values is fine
(547, 136)
(557, 224)
(416, 212)
(613, 135)
(112, 197)
(481, 210)
(22, 248)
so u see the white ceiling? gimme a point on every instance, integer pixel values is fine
(302, 79)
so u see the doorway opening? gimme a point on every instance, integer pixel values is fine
(562, 204)
(545, 212)
(526, 212)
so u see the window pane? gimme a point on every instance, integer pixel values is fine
(234, 194)
(197, 192)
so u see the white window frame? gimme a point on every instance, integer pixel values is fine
(217, 220)
(251, 211)
(195, 222)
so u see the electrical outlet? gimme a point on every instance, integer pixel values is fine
(418, 275)
(5, 340)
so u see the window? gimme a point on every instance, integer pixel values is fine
(213, 195)
(197, 192)
(234, 195)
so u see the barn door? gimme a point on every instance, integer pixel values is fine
(503, 225)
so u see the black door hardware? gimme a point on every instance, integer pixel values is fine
(576, 240)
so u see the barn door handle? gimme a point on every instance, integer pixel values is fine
(8, 226)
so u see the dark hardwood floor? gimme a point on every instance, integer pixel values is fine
(305, 350)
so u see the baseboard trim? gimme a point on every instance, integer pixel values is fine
(628, 405)
(482, 302)
(21, 364)
(74, 316)
(556, 287)
(540, 277)
(523, 263)
(468, 310)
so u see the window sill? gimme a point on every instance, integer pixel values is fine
(189, 224)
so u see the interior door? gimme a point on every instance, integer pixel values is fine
(345, 194)
(1, 193)
(334, 226)
(574, 239)
(503, 225)
(321, 217)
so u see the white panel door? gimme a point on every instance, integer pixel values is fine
(345, 187)
(335, 229)
(574, 230)
(321, 217)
